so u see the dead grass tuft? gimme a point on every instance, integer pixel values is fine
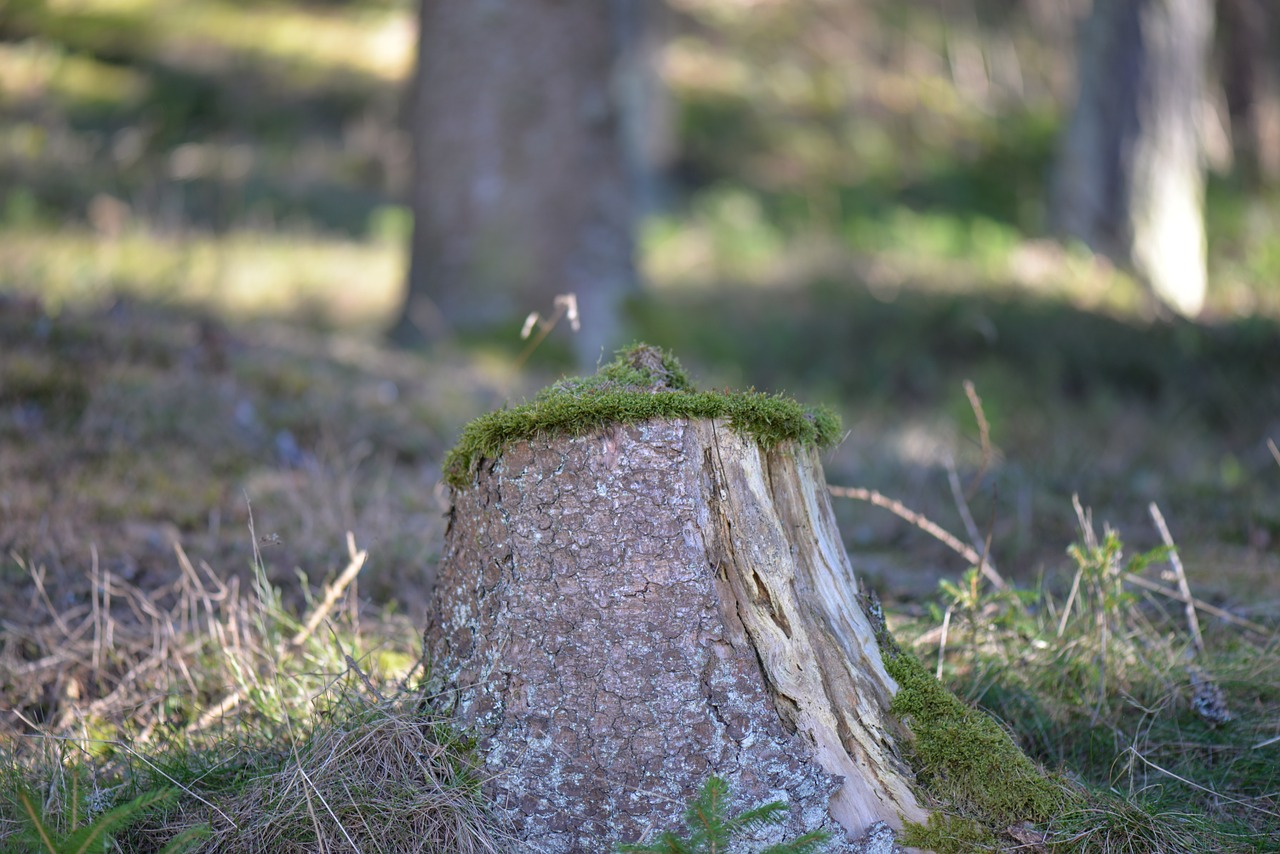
(375, 774)
(268, 725)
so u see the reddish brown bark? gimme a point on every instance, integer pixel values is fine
(621, 615)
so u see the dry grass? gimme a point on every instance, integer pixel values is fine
(157, 630)
(283, 734)
(377, 774)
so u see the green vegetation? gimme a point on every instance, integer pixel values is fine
(712, 829)
(98, 834)
(1102, 685)
(273, 738)
(641, 383)
(966, 760)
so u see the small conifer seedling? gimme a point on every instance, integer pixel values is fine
(711, 828)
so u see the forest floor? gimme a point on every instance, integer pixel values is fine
(200, 428)
(180, 491)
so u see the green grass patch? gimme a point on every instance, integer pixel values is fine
(1162, 743)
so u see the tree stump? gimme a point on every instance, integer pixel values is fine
(622, 613)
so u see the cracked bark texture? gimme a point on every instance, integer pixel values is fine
(620, 615)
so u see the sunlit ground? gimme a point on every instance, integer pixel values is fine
(240, 158)
(325, 281)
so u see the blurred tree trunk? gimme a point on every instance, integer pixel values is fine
(1248, 80)
(522, 188)
(1130, 180)
(622, 614)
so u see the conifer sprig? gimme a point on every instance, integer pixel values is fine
(711, 828)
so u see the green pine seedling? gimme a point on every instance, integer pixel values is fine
(710, 829)
(97, 835)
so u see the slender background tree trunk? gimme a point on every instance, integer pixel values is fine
(1130, 180)
(522, 188)
(1249, 70)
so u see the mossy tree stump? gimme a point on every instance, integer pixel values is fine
(648, 587)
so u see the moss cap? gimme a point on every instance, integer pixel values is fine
(641, 383)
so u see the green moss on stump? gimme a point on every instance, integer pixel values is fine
(641, 383)
(966, 761)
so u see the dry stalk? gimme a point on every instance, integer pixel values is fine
(333, 591)
(971, 528)
(942, 645)
(565, 305)
(1193, 624)
(1085, 520)
(984, 436)
(1198, 603)
(331, 595)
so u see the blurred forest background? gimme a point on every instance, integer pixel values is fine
(207, 237)
(848, 201)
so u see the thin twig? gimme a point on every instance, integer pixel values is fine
(902, 511)
(1185, 589)
(984, 436)
(332, 592)
(1202, 605)
(936, 531)
(971, 528)
(1275, 452)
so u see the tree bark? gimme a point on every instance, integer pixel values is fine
(1249, 83)
(522, 190)
(620, 615)
(1130, 180)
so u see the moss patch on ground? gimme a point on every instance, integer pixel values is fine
(641, 383)
(984, 783)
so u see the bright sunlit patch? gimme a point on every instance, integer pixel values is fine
(342, 283)
(379, 43)
(32, 69)
(101, 6)
(925, 444)
(694, 65)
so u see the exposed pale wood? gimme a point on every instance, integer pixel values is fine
(796, 594)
